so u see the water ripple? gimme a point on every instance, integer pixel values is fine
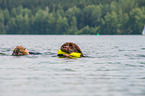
(114, 66)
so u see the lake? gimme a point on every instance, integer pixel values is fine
(114, 66)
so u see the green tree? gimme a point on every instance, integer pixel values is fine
(11, 26)
(137, 19)
(72, 16)
(61, 25)
(6, 16)
(13, 12)
(20, 23)
(51, 23)
(74, 12)
(73, 26)
(111, 23)
(26, 25)
(2, 27)
(85, 30)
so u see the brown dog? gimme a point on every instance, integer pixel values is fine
(70, 47)
(19, 51)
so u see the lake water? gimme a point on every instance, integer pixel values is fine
(113, 66)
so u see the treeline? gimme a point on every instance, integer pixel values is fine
(72, 16)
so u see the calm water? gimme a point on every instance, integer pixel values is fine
(114, 66)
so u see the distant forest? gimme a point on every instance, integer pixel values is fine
(72, 17)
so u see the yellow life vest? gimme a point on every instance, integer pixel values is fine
(73, 54)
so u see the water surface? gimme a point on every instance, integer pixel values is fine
(114, 66)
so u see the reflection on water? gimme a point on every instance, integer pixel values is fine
(113, 66)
